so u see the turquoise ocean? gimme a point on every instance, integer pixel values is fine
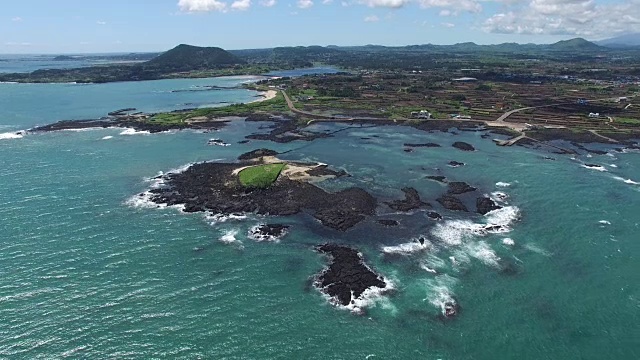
(88, 272)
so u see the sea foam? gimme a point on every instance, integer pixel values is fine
(134, 132)
(11, 135)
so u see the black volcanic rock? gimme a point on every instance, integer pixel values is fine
(212, 187)
(347, 277)
(485, 205)
(408, 150)
(324, 170)
(388, 223)
(452, 203)
(421, 145)
(438, 178)
(456, 164)
(463, 146)
(268, 232)
(411, 201)
(434, 215)
(459, 187)
(257, 154)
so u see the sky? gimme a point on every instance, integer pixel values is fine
(106, 26)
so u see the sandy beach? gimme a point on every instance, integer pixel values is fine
(268, 95)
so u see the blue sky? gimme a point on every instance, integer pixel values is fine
(81, 26)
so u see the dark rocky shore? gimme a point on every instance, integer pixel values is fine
(347, 276)
(411, 201)
(212, 187)
(132, 124)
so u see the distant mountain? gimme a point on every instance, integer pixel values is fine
(187, 58)
(627, 40)
(577, 44)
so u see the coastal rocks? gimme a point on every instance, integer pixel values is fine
(284, 131)
(388, 223)
(452, 203)
(434, 215)
(450, 309)
(438, 178)
(485, 205)
(463, 146)
(255, 154)
(411, 201)
(459, 187)
(212, 187)
(456, 164)
(347, 277)
(323, 170)
(268, 232)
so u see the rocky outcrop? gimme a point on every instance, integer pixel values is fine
(255, 154)
(324, 170)
(268, 232)
(213, 188)
(347, 277)
(434, 215)
(485, 205)
(452, 203)
(459, 187)
(388, 223)
(456, 164)
(411, 201)
(463, 146)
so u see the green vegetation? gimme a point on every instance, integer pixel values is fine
(261, 176)
(275, 105)
(627, 121)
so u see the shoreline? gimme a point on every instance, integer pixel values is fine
(265, 95)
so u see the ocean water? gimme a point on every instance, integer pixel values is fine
(88, 273)
(28, 63)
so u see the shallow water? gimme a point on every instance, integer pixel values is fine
(87, 274)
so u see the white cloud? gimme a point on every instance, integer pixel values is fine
(202, 5)
(101, 22)
(11, 43)
(17, 19)
(448, 25)
(371, 18)
(305, 4)
(268, 3)
(472, 6)
(567, 17)
(241, 5)
(446, 13)
(394, 4)
(327, 2)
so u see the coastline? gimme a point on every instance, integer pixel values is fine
(265, 95)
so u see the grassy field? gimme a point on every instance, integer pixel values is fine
(261, 176)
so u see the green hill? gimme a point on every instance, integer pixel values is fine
(187, 57)
(577, 44)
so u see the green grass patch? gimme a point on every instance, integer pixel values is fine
(627, 121)
(261, 176)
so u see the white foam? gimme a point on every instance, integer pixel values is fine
(483, 252)
(536, 249)
(613, 165)
(597, 167)
(455, 232)
(508, 241)
(439, 291)
(11, 135)
(407, 248)
(107, 137)
(499, 196)
(256, 235)
(604, 222)
(503, 184)
(626, 181)
(369, 298)
(221, 218)
(229, 237)
(134, 132)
